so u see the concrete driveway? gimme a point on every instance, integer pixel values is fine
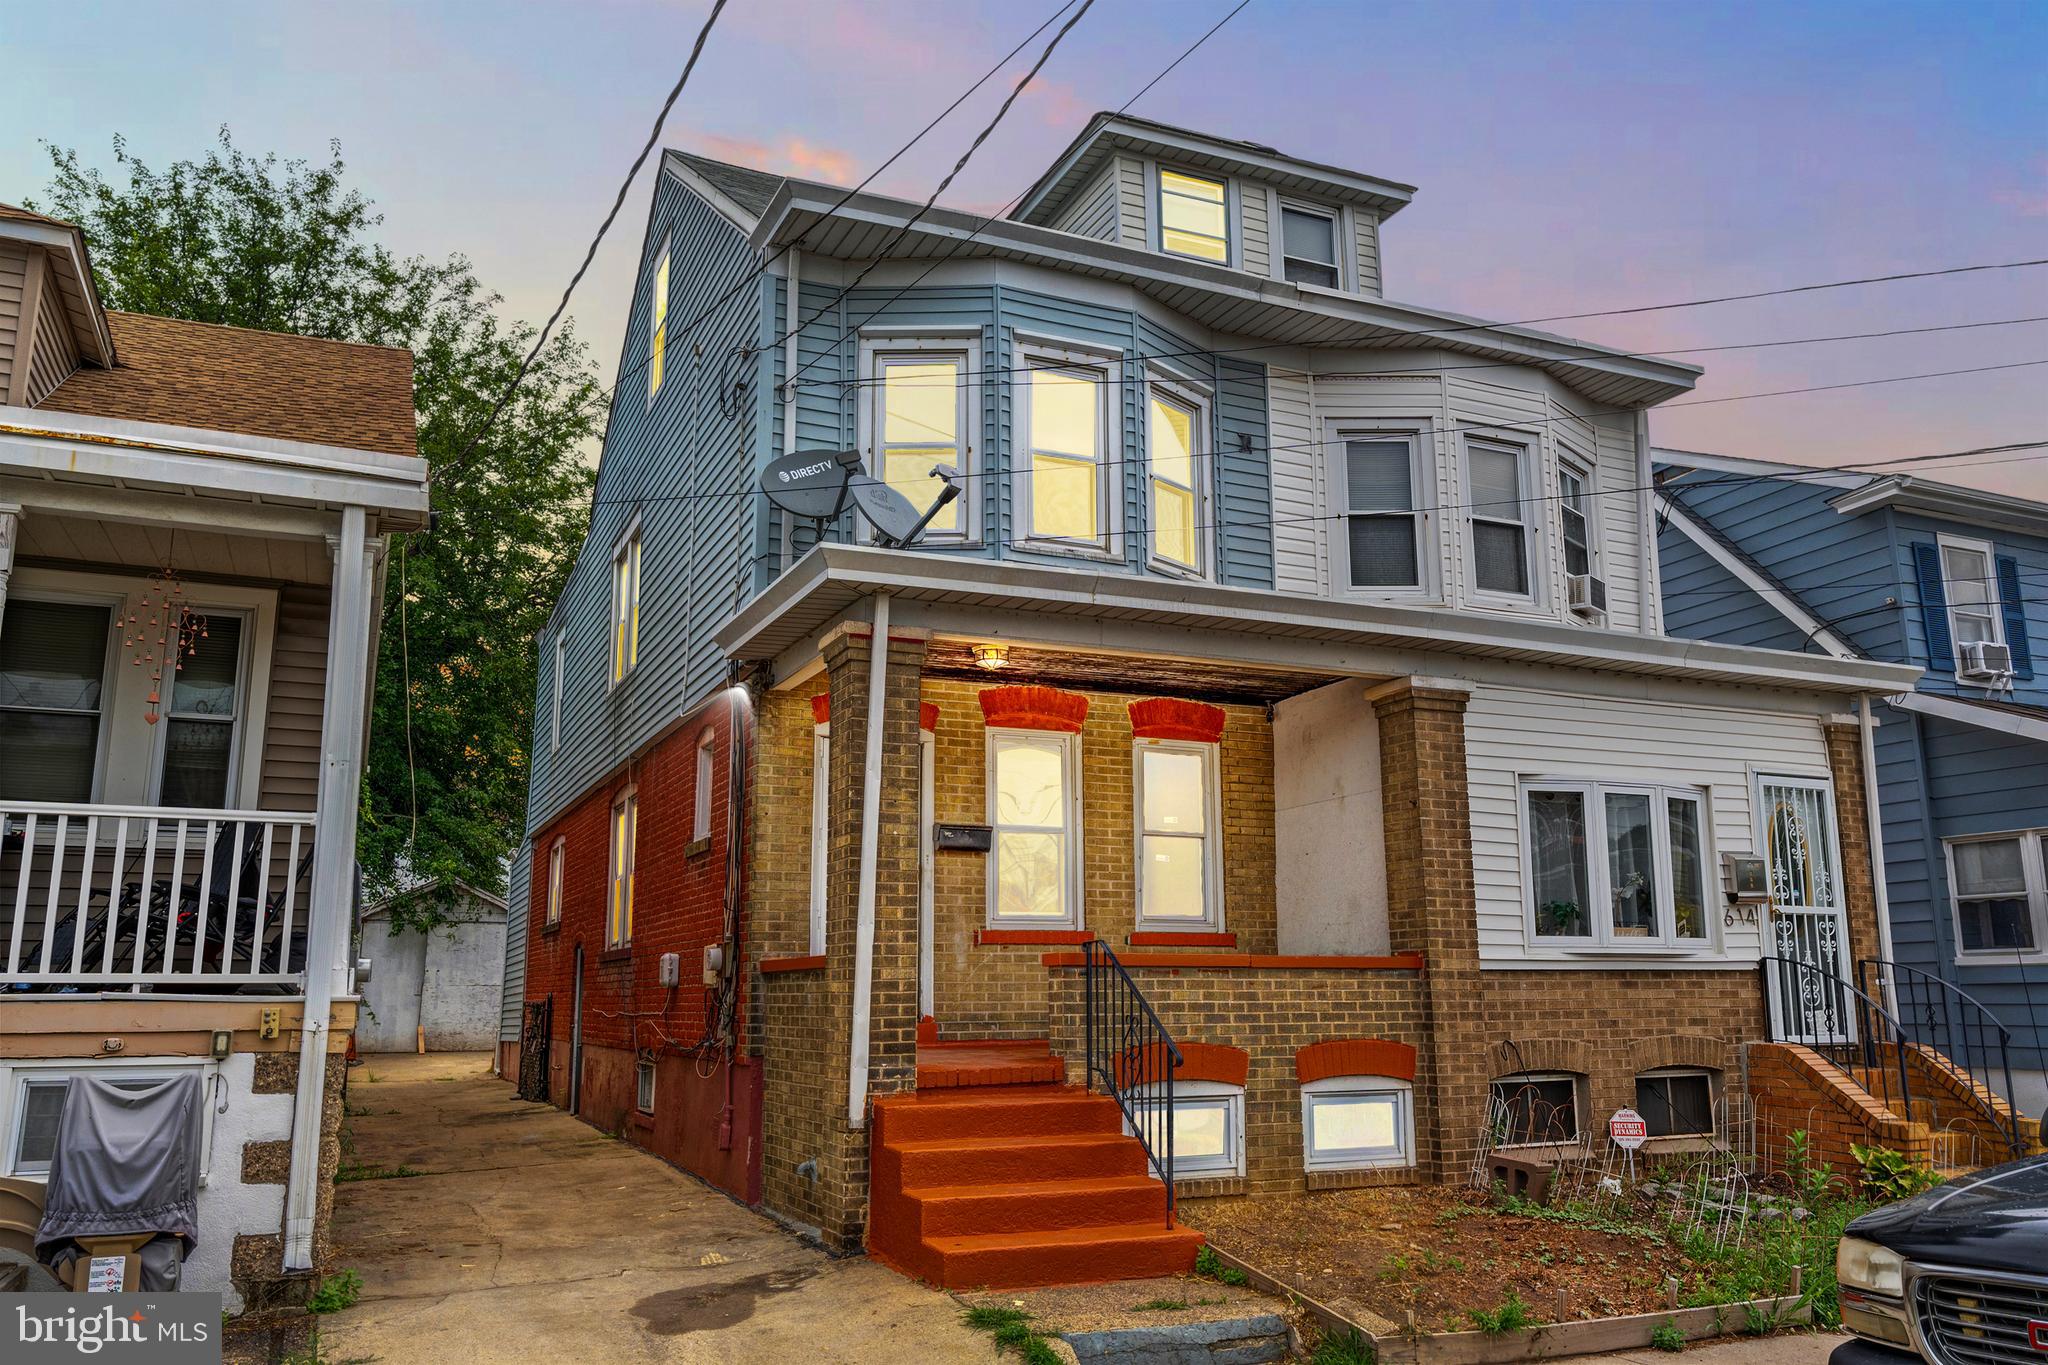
(528, 1235)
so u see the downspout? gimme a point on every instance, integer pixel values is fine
(870, 836)
(789, 359)
(1649, 616)
(1873, 813)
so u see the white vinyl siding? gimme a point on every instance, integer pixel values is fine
(1092, 212)
(1683, 738)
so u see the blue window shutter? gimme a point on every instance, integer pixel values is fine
(1941, 650)
(2014, 608)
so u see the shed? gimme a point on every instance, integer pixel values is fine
(438, 990)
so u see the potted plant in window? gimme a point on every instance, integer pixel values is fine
(1561, 918)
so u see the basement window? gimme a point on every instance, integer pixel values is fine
(32, 1106)
(1534, 1109)
(1356, 1123)
(1676, 1102)
(1208, 1127)
(643, 1098)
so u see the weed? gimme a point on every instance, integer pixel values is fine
(1011, 1327)
(1814, 1182)
(336, 1292)
(1890, 1175)
(1667, 1336)
(1512, 1316)
(1394, 1269)
(1160, 1306)
(1207, 1262)
(363, 1170)
(1349, 1349)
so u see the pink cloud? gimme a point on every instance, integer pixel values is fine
(788, 154)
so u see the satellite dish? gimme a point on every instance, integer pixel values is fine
(889, 512)
(809, 483)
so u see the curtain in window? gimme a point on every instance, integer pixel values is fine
(53, 658)
(1631, 864)
(1991, 895)
(1557, 842)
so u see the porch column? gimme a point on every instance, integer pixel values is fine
(10, 532)
(334, 842)
(1844, 738)
(1427, 820)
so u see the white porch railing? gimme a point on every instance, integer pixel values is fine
(142, 896)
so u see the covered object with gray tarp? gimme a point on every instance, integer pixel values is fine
(127, 1161)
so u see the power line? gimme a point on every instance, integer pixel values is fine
(590, 253)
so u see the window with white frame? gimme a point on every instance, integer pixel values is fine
(626, 604)
(643, 1089)
(32, 1096)
(1176, 453)
(1179, 843)
(1967, 582)
(1193, 216)
(1208, 1127)
(555, 705)
(202, 715)
(53, 681)
(657, 334)
(1676, 1102)
(700, 797)
(1068, 496)
(1382, 528)
(1355, 1123)
(1533, 1109)
(558, 866)
(1497, 512)
(1308, 245)
(2000, 885)
(921, 412)
(1575, 517)
(1616, 866)
(1034, 867)
(618, 920)
(821, 824)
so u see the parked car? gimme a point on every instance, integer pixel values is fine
(1958, 1275)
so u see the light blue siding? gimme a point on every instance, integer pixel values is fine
(1703, 601)
(2030, 554)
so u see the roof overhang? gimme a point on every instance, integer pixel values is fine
(71, 453)
(83, 311)
(1281, 629)
(1975, 505)
(1235, 302)
(1816, 475)
(2004, 720)
(1108, 134)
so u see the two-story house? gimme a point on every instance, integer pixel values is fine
(192, 521)
(1955, 580)
(1285, 693)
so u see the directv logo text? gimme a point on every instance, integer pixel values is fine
(791, 475)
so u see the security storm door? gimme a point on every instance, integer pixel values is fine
(1808, 980)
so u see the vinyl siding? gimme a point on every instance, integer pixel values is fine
(518, 907)
(1255, 232)
(1690, 740)
(1092, 212)
(290, 777)
(1365, 231)
(54, 356)
(1134, 206)
(1703, 601)
(13, 284)
(1301, 535)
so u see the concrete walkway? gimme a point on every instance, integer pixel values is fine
(529, 1235)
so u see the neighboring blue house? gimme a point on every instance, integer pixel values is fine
(1902, 569)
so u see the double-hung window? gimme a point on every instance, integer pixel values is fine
(1179, 844)
(626, 605)
(1382, 528)
(1208, 1127)
(1035, 809)
(1575, 515)
(1068, 495)
(1497, 511)
(1351, 1123)
(657, 325)
(1193, 217)
(200, 721)
(558, 859)
(1176, 454)
(53, 682)
(1616, 866)
(1308, 245)
(1973, 606)
(821, 824)
(2001, 893)
(922, 409)
(618, 923)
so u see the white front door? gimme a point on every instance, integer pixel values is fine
(1808, 934)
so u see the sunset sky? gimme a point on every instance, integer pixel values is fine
(1570, 156)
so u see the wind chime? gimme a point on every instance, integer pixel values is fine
(162, 629)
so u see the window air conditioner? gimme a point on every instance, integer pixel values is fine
(1586, 594)
(1986, 660)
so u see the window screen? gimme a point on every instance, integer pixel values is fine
(1309, 247)
(1380, 502)
(53, 658)
(1500, 546)
(1991, 895)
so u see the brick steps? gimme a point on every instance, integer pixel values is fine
(1014, 1183)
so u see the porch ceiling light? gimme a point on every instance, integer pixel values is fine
(992, 657)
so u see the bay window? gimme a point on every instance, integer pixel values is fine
(1308, 246)
(1176, 455)
(1382, 528)
(53, 680)
(1193, 220)
(1576, 514)
(1351, 1123)
(2000, 885)
(1034, 809)
(1067, 498)
(922, 409)
(1497, 513)
(1179, 851)
(1615, 865)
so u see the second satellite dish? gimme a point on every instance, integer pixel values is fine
(889, 512)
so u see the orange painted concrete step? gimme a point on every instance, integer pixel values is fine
(1067, 1256)
(995, 1111)
(1036, 1206)
(1024, 1061)
(981, 1161)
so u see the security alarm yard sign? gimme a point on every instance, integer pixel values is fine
(1628, 1129)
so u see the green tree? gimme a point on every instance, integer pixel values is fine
(287, 246)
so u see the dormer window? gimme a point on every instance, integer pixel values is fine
(1308, 242)
(1192, 218)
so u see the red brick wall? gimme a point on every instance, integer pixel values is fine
(678, 907)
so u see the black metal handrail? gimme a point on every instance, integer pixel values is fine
(1947, 1019)
(1132, 1054)
(1851, 1031)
